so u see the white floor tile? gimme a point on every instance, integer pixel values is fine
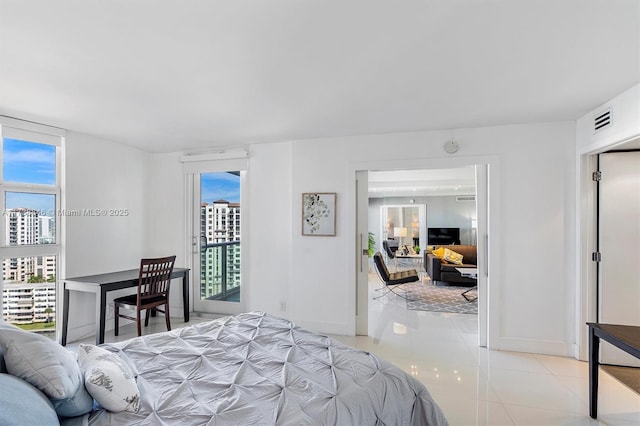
(475, 386)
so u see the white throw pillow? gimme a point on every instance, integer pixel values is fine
(108, 379)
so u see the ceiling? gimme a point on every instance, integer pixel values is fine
(422, 183)
(170, 75)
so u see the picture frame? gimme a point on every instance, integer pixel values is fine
(319, 214)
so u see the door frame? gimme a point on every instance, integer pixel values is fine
(586, 272)
(489, 289)
(193, 166)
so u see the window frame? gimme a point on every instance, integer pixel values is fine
(11, 128)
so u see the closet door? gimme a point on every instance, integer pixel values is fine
(619, 235)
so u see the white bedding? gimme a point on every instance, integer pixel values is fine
(258, 369)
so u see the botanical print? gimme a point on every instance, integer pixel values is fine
(314, 210)
(318, 214)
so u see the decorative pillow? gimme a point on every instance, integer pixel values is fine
(48, 366)
(452, 256)
(23, 404)
(6, 326)
(108, 379)
(439, 252)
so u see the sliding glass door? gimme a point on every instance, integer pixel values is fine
(217, 242)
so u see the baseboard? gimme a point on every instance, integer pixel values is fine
(543, 347)
(325, 327)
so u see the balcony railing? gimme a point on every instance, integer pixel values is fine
(220, 271)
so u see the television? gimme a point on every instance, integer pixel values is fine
(443, 236)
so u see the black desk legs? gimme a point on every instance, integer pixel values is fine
(594, 345)
(65, 316)
(101, 313)
(185, 295)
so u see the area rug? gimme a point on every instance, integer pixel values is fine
(427, 297)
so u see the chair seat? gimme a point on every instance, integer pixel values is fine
(402, 277)
(132, 299)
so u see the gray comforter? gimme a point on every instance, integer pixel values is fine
(258, 369)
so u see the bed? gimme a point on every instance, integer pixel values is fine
(259, 369)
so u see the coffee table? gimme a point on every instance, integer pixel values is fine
(469, 273)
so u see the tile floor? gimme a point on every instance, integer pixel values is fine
(475, 386)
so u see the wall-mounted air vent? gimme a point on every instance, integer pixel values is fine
(466, 198)
(602, 120)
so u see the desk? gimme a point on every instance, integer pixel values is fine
(101, 284)
(469, 273)
(625, 337)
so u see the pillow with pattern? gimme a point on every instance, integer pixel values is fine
(108, 379)
(452, 256)
(439, 252)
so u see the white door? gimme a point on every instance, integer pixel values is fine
(217, 242)
(362, 255)
(619, 245)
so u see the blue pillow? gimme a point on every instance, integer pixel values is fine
(76, 405)
(48, 366)
(23, 404)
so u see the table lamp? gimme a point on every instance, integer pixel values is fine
(400, 232)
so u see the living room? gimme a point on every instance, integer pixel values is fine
(422, 210)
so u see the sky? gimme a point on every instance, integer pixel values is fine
(28, 162)
(33, 163)
(219, 186)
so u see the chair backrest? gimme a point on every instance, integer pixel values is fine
(381, 267)
(155, 277)
(388, 249)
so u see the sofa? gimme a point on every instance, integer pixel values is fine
(442, 272)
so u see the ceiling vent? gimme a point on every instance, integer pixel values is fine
(602, 120)
(466, 198)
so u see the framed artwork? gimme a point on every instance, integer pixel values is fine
(319, 213)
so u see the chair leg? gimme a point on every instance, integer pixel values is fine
(138, 314)
(391, 289)
(166, 316)
(116, 317)
(383, 294)
(146, 317)
(467, 298)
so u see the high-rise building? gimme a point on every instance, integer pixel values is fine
(47, 230)
(28, 282)
(220, 259)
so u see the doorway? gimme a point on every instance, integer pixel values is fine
(475, 230)
(618, 243)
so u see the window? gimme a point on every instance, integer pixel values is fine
(30, 199)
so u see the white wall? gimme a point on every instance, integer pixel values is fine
(533, 262)
(441, 211)
(625, 127)
(102, 175)
(165, 222)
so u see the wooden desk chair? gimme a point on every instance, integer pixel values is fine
(153, 291)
